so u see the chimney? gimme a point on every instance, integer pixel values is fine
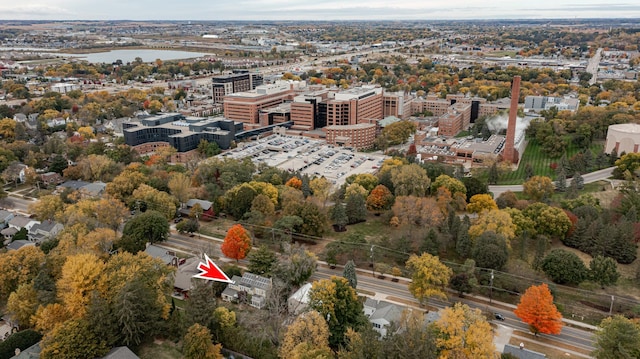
(509, 153)
(17, 351)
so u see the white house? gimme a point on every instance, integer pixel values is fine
(381, 314)
(255, 287)
(298, 302)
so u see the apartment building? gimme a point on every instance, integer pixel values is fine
(238, 81)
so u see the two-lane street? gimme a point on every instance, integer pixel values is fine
(396, 291)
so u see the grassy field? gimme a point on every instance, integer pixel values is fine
(540, 162)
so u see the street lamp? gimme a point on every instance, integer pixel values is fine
(611, 307)
(491, 288)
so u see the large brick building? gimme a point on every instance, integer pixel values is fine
(360, 136)
(245, 106)
(353, 106)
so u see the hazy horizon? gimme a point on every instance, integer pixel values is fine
(292, 10)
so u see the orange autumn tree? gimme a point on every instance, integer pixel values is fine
(237, 243)
(380, 199)
(294, 182)
(536, 308)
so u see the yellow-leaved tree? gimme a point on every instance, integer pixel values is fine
(198, 345)
(497, 221)
(81, 274)
(480, 203)
(464, 332)
(429, 278)
(310, 328)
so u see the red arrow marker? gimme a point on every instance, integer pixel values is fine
(210, 271)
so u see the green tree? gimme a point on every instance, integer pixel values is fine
(150, 226)
(297, 265)
(490, 250)
(20, 340)
(564, 267)
(262, 261)
(410, 180)
(355, 208)
(474, 186)
(338, 303)
(74, 339)
(349, 273)
(603, 270)
(464, 245)
(136, 311)
(239, 199)
(201, 303)
(339, 216)
(618, 337)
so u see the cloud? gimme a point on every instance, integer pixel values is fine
(310, 9)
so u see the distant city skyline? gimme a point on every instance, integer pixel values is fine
(313, 10)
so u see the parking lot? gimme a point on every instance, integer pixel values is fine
(309, 156)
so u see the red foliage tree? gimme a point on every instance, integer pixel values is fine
(237, 243)
(574, 220)
(536, 308)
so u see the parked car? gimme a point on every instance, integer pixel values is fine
(499, 316)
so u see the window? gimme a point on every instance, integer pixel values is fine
(377, 326)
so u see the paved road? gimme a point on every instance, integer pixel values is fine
(592, 66)
(576, 337)
(588, 178)
(394, 290)
(18, 204)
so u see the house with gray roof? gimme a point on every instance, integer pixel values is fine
(382, 314)
(32, 352)
(15, 245)
(255, 287)
(19, 222)
(522, 353)
(182, 283)
(5, 217)
(93, 190)
(72, 185)
(120, 353)
(168, 257)
(44, 231)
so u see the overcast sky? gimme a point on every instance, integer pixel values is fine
(313, 9)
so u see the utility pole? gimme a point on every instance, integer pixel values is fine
(373, 266)
(491, 288)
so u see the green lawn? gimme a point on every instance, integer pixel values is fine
(540, 162)
(373, 227)
(160, 350)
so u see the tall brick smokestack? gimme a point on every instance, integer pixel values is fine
(509, 153)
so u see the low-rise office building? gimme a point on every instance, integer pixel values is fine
(180, 132)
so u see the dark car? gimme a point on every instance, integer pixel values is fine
(499, 316)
